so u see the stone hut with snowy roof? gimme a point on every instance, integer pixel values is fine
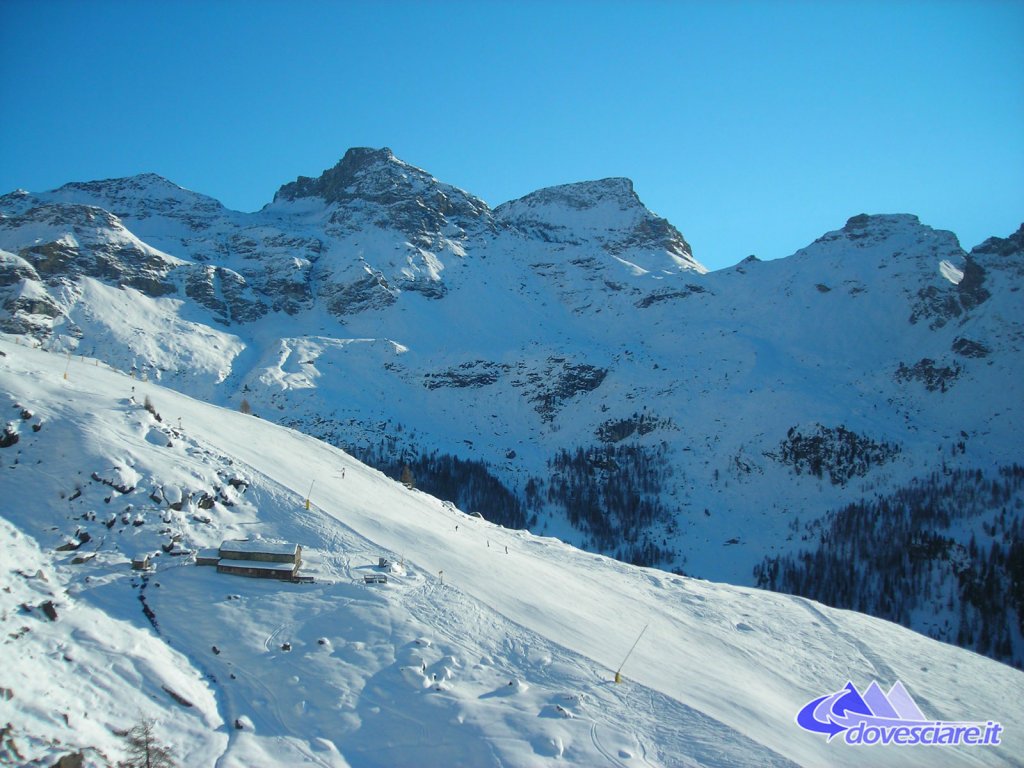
(141, 562)
(260, 559)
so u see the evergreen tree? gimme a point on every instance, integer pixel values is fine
(948, 544)
(143, 749)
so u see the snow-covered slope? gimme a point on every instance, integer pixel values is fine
(486, 646)
(592, 379)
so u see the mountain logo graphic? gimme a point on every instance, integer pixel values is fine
(888, 719)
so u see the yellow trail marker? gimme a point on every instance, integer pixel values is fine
(618, 672)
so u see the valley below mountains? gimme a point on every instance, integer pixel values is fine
(843, 423)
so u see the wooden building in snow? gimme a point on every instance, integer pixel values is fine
(260, 559)
(208, 557)
(141, 563)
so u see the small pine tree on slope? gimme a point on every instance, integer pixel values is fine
(143, 749)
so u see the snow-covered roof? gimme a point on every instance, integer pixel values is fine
(249, 546)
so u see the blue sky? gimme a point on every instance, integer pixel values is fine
(754, 127)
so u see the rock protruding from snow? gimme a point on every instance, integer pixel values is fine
(362, 171)
(415, 200)
(1006, 247)
(61, 241)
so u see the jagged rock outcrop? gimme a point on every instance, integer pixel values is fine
(225, 293)
(373, 186)
(85, 241)
(1003, 247)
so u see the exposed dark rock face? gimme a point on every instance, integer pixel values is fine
(970, 348)
(177, 697)
(49, 610)
(617, 430)
(937, 305)
(669, 294)
(14, 269)
(79, 252)
(302, 251)
(370, 292)
(73, 760)
(555, 382)
(479, 373)
(27, 314)
(9, 436)
(119, 487)
(1004, 247)
(405, 197)
(225, 293)
(972, 289)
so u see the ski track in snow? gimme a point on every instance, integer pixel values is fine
(882, 670)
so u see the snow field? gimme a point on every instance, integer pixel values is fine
(472, 656)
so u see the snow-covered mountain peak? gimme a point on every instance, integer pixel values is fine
(136, 196)
(866, 231)
(604, 203)
(864, 221)
(377, 175)
(362, 170)
(60, 217)
(13, 197)
(582, 195)
(372, 186)
(877, 241)
(607, 213)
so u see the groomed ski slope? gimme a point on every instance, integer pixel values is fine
(487, 647)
